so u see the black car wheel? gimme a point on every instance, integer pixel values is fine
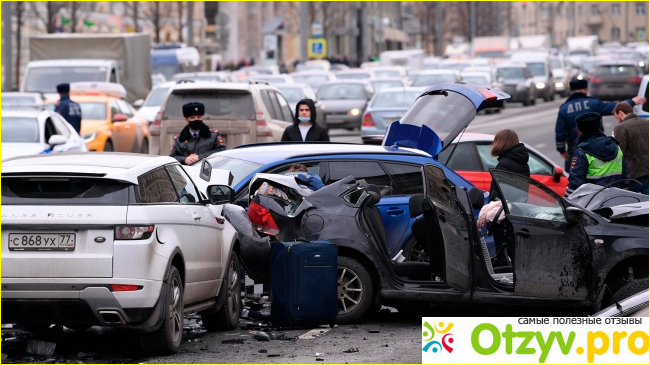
(354, 290)
(527, 102)
(167, 339)
(635, 286)
(413, 251)
(108, 146)
(228, 316)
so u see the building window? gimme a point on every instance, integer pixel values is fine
(640, 9)
(616, 9)
(616, 33)
(595, 10)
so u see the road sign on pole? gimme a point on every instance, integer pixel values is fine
(317, 48)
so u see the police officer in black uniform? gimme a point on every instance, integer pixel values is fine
(196, 140)
(566, 130)
(69, 110)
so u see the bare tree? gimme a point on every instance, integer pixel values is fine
(180, 6)
(19, 12)
(48, 13)
(158, 13)
(132, 10)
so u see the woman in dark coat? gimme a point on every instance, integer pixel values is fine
(512, 156)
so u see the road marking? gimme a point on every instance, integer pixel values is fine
(310, 335)
(540, 145)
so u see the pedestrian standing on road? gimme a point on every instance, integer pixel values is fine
(304, 127)
(596, 159)
(511, 154)
(196, 140)
(69, 110)
(579, 103)
(631, 133)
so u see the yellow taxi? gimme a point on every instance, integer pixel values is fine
(108, 122)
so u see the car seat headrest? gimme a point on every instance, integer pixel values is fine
(375, 195)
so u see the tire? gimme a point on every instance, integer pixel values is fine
(355, 290)
(552, 98)
(414, 252)
(227, 317)
(145, 147)
(166, 339)
(526, 102)
(108, 146)
(534, 101)
(630, 289)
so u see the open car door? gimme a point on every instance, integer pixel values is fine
(552, 257)
(447, 233)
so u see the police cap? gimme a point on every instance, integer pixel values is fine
(578, 84)
(63, 88)
(192, 109)
(588, 122)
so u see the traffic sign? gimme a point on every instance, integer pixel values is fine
(317, 30)
(317, 48)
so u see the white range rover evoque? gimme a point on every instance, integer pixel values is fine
(117, 239)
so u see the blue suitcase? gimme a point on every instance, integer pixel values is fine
(304, 283)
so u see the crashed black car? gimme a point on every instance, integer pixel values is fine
(556, 253)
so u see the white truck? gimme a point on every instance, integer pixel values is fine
(490, 47)
(538, 42)
(412, 59)
(61, 58)
(582, 46)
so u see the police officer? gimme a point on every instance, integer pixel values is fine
(596, 159)
(196, 140)
(577, 104)
(69, 110)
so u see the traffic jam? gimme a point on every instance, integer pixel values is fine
(153, 206)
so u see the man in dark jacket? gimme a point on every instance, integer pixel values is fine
(631, 133)
(578, 104)
(305, 128)
(196, 140)
(68, 109)
(596, 159)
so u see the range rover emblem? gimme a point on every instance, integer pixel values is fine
(100, 239)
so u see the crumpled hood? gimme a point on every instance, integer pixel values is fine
(312, 108)
(518, 153)
(599, 145)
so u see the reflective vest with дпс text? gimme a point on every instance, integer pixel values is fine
(599, 169)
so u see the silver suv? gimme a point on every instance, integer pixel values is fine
(243, 113)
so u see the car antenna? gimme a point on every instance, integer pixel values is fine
(618, 306)
(456, 145)
(605, 187)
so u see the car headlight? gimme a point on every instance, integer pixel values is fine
(641, 64)
(89, 137)
(540, 85)
(354, 112)
(559, 84)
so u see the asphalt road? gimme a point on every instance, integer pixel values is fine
(535, 125)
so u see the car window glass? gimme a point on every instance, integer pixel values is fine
(284, 107)
(157, 96)
(617, 70)
(438, 187)
(528, 198)
(267, 103)
(156, 187)
(407, 177)
(93, 111)
(20, 130)
(462, 157)
(369, 171)
(538, 166)
(50, 130)
(219, 104)
(59, 124)
(115, 109)
(487, 160)
(314, 167)
(183, 185)
(240, 169)
(125, 108)
(274, 109)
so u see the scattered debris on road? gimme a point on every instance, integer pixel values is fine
(351, 350)
(42, 348)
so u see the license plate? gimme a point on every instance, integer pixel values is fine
(42, 242)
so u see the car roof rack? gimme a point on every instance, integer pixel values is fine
(258, 82)
(185, 81)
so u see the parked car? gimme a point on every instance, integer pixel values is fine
(387, 106)
(642, 110)
(356, 74)
(392, 72)
(518, 82)
(118, 240)
(242, 113)
(108, 122)
(296, 92)
(32, 132)
(21, 101)
(157, 79)
(428, 78)
(313, 78)
(471, 159)
(539, 64)
(262, 70)
(150, 106)
(615, 80)
(344, 101)
(214, 76)
(387, 82)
